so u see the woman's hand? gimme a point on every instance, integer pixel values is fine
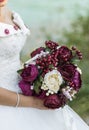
(34, 102)
(9, 98)
(38, 103)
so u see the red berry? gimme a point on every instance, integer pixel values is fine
(74, 48)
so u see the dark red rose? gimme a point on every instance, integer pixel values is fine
(76, 81)
(67, 71)
(65, 54)
(51, 44)
(37, 51)
(54, 101)
(29, 73)
(26, 88)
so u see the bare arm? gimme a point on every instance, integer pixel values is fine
(9, 98)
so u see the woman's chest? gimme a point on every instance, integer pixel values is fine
(12, 45)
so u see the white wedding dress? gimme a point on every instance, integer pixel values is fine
(11, 42)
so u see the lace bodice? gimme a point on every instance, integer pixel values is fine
(11, 43)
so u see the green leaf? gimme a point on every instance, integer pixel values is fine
(20, 71)
(41, 79)
(75, 61)
(40, 72)
(51, 66)
(47, 49)
(37, 84)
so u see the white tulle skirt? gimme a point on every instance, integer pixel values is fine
(34, 119)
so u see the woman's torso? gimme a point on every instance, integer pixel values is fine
(12, 40)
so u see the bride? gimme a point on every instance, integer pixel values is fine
(19, 112)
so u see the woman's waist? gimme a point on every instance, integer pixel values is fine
(11, 84)
(9, 67)
(11, 61)
(10, 80)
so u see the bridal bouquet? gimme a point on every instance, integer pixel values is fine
(51, 74)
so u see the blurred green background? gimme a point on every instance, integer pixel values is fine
(66, 22)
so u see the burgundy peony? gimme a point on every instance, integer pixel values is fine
(52, 45)
(26, 88)
(54, 101)
(76, 81)
(63, 99)
(29, 73)
(67, 71)
(70, 74)
(65, 54)
(37, 51)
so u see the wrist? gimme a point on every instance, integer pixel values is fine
(26, 101)
(18, 100)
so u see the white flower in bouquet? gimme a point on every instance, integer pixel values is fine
(69, 92)
(52, 82)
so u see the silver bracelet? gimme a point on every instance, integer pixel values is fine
(18, 99)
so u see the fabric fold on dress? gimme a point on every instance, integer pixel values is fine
(17, 19)
(69, 119)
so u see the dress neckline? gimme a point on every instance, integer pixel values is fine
(14, 24)
(19, 27)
